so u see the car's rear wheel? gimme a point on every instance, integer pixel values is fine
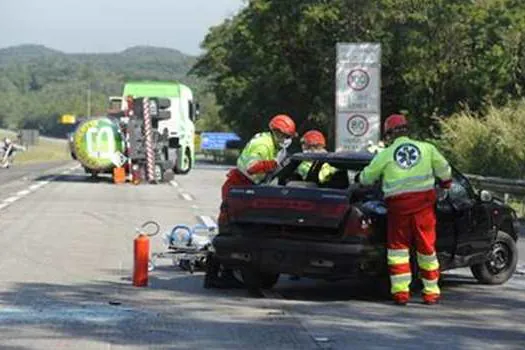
(501, 262)
(217, 276)
(255, 280)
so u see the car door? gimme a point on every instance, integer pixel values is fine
(472, 220)
(445, 231)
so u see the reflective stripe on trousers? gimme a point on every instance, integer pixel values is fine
(429, 266)
(402, 230)
(399, 269)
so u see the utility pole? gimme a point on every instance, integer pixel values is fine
(89, 99)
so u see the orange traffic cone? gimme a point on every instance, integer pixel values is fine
(119, 175)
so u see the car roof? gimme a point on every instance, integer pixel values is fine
(335, 157)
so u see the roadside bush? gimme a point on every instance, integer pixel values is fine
(490, 145)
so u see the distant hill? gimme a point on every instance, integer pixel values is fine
(24, 53)
(38, 83)
(148, 61)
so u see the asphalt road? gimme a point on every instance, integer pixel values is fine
(66, 263)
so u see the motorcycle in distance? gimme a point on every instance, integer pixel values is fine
(9, 150)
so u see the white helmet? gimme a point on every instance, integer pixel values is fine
(7, 140)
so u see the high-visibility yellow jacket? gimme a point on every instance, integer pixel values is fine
(407, 166)
(260, 147)
(324, 175)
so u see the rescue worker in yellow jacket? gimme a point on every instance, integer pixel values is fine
(261, 155)
(408, 170)
(313, 141)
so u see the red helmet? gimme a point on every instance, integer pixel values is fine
(313, 138)
(284, 124)
(395, 121)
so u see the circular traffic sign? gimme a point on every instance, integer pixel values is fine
(358, 79)
(357, 125)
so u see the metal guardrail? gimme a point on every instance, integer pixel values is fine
(499, 185)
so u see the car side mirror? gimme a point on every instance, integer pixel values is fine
(197, 111)
(194, 109)
(485, 196)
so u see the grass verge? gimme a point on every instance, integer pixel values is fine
(45, 151)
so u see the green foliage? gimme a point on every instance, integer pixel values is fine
(490, 145)
(37, 84)
(437, 56)
(210, 120)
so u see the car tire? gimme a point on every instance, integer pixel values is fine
(255, 280)
(217, 276)
(186, 163)
(501, 262)
(212, 269)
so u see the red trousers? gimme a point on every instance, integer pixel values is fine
(234, 178)
(412, 222)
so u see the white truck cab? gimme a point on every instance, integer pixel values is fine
(180, 126)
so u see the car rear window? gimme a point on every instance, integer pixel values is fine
(342, 178)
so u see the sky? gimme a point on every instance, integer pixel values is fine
(81, 26)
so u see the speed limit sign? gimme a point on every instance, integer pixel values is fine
(357, 125)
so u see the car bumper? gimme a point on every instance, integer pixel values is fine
(309, 259)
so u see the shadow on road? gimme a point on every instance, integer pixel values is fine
(177, 312)
(76, 178)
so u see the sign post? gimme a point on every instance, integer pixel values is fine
(358, 95)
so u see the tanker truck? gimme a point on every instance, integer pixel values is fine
(98, 144)
(101, 143)
(180, 126)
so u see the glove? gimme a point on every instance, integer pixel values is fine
(442, 194)
(262, 167)
(445, 184)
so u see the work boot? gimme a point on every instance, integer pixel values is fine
(401, 298)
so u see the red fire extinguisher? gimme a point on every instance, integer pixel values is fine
(141, 254)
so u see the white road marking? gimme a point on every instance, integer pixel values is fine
(186, 196)
(207, 221)
(174, 183)
(8, 201)
(11, 199)
(23, 193)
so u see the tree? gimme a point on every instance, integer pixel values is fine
(279, 56)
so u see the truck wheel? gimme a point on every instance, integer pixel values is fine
(501, 261)
(255, 280)
(186, 163)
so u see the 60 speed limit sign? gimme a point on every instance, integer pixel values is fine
(357, 125)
